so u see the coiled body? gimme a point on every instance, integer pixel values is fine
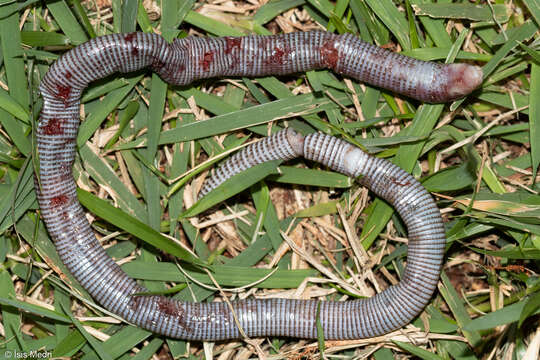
(189, 59)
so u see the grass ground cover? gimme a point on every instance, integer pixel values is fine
(283, 229)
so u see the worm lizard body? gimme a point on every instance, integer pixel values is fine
(192, 58)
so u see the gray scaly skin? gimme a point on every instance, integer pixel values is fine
(189, 59)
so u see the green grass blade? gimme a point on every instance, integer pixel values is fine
(81, 15)
(69, 344)
(96, 346)
(534, 117)
(133, 226)
(458, 309)
(467, 11)
(415, 350)
(67, 22)
(129, 15)
(273, 8)
(210, 25)
(34, 309)
(122, 341)
(523, 33)
(531, 306)
(387, 11)
(255, 115)
(534, 8)
(14, 68)
(506, 315)
(100, 171)
(230, 276)
(107, 105)
(232, 186)
(9, 104)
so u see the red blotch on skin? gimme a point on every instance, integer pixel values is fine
(63, 92)
(157, 64)
(398, 183)
(278, 56)
(207, 59)
(59, 200)
(232, 43)
(53, 127)
(129, 37)
(174, 310)
(329, 54)
(168, 307)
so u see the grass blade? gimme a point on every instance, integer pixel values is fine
(133, 226)
(534, 118)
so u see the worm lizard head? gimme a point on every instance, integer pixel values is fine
(463, 79)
